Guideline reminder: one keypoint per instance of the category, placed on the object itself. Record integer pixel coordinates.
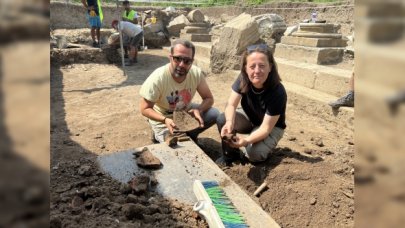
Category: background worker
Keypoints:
(129, 14)
(95, 17)
(134, 34)
(348, 99)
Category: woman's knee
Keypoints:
(258, 152)
(257, 156)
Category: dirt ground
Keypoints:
(94, 111)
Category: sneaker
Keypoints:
(224, 161)
(95, 44)
(345, 101)
(129, 63)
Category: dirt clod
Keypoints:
(312, 201)
(184, 121)
(146, 159)
(132, 210)
(84, 170)
(140, 184)
(77, 201)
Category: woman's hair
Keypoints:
(272, 80)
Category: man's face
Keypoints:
(181, 61)
(126, 6)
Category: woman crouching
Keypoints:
(262, 116)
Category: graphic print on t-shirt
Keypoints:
(179, 99)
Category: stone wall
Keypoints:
(343, 14)
(71, 16)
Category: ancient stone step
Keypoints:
(313, 42)
(326, 55)
(201, 25)
(317, 35)
(203, 49)
(197, 30)
(333, 81)
(316, 103)
(203, 63)
(196, 37)
(317, 27)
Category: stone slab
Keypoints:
(196, 37)
(202, 25)
(203, 63)
(202, 49)
(191, 29)
(326, 55)
(316, 103)
(313, 42)
(317, 35)
(329, 80)
(181, 166)
(317, 27)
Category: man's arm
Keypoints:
(206, 95)
(207, 101)
(84, 2)
(147, 110)
(135, 20)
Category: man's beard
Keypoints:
(178, 74)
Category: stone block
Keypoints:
(196, 37)
(195, 16)
(313, 42)
(315, 55)
(318, 27)
(197, 30)
(202, 25)
(177, 24)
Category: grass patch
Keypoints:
(209, 3)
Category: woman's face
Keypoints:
(257, 68)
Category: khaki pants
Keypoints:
(255, 152)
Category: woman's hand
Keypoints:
(227, 128)
(238, 142)
(196, 114)
(170, 125)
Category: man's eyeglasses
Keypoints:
(185, 60)
(254, 47)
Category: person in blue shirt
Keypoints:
(94, 16)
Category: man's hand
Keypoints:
(170, 125)
(196, 114)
